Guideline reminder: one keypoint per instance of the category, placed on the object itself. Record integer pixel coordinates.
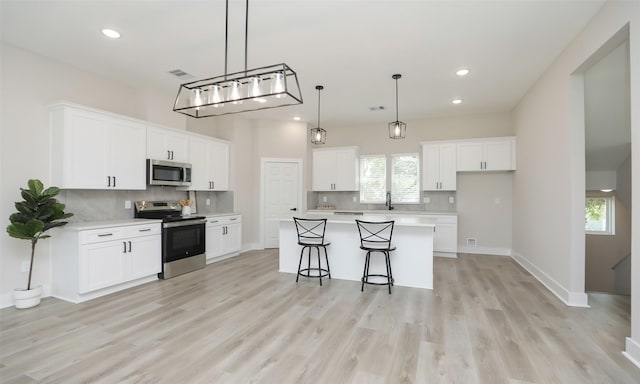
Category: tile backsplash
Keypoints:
(99, 205)
(438, 202)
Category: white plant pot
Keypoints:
(24, 298)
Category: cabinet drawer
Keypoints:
(143, 230)
(223, 220)
(101, 235)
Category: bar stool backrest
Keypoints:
(375, 235)
(310, 231)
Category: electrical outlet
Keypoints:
(324, 199)
(355, 199)
(498, 201)
(24, 266)
(452, 199)
(127, 204)
(208, 202)
(427, 200)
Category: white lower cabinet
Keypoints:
(445, 238)
(224, 237)
(89, 263)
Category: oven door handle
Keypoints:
(183, 223)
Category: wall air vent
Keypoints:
(471, 242)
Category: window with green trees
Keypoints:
(599, 218)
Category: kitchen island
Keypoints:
(411, 262)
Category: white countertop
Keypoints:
(405, 221)
(83, 226)
(375, 212)
(210, 215)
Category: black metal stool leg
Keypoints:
(388, 262)
(319, 265)
(327, 260)
(300, 263)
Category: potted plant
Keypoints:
(37, 213)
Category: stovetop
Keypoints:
(168, 211)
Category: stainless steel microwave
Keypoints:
(162, 172)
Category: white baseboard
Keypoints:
(632, 351)
(484, 250)
(251, 247)
(447, 255)
(572, 299)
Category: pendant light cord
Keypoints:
(319, 107)
(246, 34)
(226, 36)
(397, 99)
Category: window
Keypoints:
(599, 215)
(373, 179)
(405, 186)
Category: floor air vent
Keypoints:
(471, 242)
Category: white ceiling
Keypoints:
(350, 47)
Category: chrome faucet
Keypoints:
(388, 202)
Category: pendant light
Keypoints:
(318, 135)
(249, 90)
(397, 129)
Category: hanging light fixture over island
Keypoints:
(318, 135)
(249, 90)
(397, 129)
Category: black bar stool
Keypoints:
(311, 235)
(376, 237)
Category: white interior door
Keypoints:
(281, 197)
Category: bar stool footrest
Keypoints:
(321, 272)
(364, 280)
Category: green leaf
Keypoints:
(28, 230)
(35, 186)
(19, 217)
(51, 192)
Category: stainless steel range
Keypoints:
(183, 237)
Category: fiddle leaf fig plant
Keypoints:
(37, 213)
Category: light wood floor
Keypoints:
(240, 321)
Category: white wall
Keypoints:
(29, 83)
(549, 185)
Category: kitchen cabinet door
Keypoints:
(213, 241)
(78, 150)
(446, 238)
(219, 165)
(143, 257)
(470, 156)
(232, 238)
(126, 156)
(101, 265)
(439, 167)
(497, 155)
(165, 144)
(210, 164)
(335, 169)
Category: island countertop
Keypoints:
(403, 221)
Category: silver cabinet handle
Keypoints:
(124, 247)
(144, 230)
(114, 181)
(213, 221)
(129, 246)
(168, 155)
(235, 218)
(108, 181)
(105, 234)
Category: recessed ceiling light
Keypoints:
(111, 33)
(296, 118)
(456, 101)
(462, 72)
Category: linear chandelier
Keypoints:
(318, 135)
(397, 129)
(249, 90)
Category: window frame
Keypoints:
(610, 207)
(418, 181)
(362, 179)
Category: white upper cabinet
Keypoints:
(439, 166)
(95, 150)
(335, 169)
(495, 154)
(166, 144)
(210, 164)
